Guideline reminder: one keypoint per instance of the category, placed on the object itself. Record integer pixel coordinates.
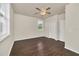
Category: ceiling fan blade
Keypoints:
(48, 8)
(35, 13)
(38, 9)
(48, 12)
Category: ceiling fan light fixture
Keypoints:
(43, 13)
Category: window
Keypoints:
(40, 25)
(4, 20)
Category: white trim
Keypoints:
(6, 21)
(72, 50)
(3, 36)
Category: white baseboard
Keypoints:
(72, 50)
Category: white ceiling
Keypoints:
(29, 8)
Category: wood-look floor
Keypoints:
(41, 46)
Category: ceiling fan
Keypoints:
(43, 11)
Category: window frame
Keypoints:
(5, 20)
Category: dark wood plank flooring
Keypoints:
(41, 46)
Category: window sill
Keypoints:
(3, 36)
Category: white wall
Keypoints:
(26, 27)
(72, 27)
(6, 44)
(54, 27)
(50, 24)
(61, 24)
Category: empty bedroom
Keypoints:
(39, 29)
